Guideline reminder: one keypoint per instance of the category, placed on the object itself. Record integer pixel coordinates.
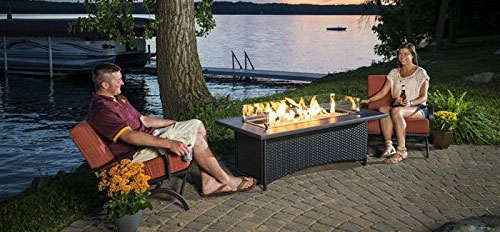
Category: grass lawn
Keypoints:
(69, 198)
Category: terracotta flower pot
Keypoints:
(442, 140)
(129, 223)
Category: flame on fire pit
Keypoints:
(288, 111)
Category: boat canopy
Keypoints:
(56, 28)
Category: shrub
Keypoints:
(474, 125)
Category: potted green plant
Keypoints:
(127, 187)
(444, 124)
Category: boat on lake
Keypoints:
(336, 28)
(28, 45)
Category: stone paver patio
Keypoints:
(416, 195)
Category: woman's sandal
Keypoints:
(389, 150)
(401, 154)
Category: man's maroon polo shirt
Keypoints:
(110, 117)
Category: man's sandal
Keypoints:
(218, 192)
(244, 180)
(389, 150)
(401, 154)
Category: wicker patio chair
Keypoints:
(419, 128)
(99, 158)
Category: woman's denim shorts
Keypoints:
(423, 109)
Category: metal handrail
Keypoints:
(233, 57)
(248, 58)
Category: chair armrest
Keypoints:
(430, 109)
(164, 154)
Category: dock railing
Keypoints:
(249, 61)
(233, 57)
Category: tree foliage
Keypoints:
(115, 19)
(473, 17)
(204, 18)
(390, 28)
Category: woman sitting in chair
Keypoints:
(408, 84)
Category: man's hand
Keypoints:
(179, 148)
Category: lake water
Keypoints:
(283, 42)
(36, 114)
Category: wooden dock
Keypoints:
(295, 76)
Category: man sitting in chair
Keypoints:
(124, 129)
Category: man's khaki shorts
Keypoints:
(185, 131)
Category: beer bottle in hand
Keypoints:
(402, 97)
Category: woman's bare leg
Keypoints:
(398, 115)
(398, 118)
(386, 123)
(399, 125)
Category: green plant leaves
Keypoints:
(127, 204)
(445, 120)
(115, 19)
(204, 18)
(474, 125)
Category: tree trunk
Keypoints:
(407, 12)
(441, 22)
(455, 12)
(180, 77)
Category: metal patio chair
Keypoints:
(418, 128)
(99, 158)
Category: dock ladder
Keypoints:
(247, 61)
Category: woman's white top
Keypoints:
(412, 83)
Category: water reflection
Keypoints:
(36, 115)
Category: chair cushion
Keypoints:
(374, 127)
(156, 167)
(413, 126)
(93, 149)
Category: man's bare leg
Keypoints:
(212, 174)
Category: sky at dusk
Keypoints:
(319, 2)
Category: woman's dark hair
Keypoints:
(413, 52)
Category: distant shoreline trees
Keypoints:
(220, 8)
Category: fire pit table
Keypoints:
(268, 155)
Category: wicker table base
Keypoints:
(272, 154)
(269, 160)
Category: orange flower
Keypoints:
(124, 178)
